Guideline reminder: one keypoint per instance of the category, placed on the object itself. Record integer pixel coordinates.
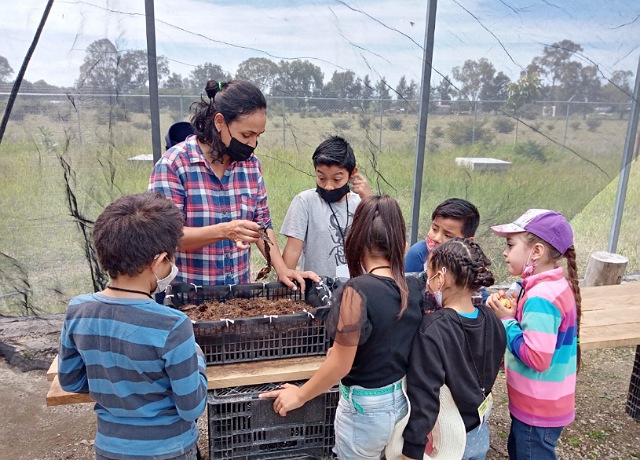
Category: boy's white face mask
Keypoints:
(163, 284)
(166, 281)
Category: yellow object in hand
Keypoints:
(506, 302)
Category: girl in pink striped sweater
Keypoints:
(542, 329)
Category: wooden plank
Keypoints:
(228, 375)
(56, 396)
(280, 370)
(53, 369)
(611, 317)
(603, 297)
(611, 336)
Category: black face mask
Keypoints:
(331, 196)
(238, 151)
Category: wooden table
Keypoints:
(610, 316)
(610, 319)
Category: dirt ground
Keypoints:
(31, 430)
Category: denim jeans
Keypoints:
(364, 424)
(189, 454)
(477, 443)
(528, 442)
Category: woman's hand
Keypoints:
(500, 310)
(287, 399)
(242, 233)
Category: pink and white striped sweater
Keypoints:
(542, 351)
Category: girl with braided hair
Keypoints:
(543, 330)
(373, 319)
(459, 345)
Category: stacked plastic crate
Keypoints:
(242, 426)
(633, 398)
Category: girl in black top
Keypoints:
(372, 320)
(460, 345)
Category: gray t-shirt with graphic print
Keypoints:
(311, 220)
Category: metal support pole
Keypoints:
(421, 141)
(78, 119)
(284, 127)
(181, 106)
(623, 178)
(154, 106)
(380, 129)
(475, 117)
(23, 68)
(566, 121)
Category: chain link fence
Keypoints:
(65, 157)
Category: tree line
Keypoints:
(558, 73)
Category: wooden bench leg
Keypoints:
(633, 398)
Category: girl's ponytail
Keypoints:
(572, 271)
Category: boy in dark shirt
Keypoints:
(453, 218)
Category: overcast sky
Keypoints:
(375, 37)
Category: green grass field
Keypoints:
(43, 249)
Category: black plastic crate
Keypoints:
(243, 427)
(236, 340)
(633, 397)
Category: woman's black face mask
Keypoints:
(238, 151)
(331, 196)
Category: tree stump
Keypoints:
(604, 269)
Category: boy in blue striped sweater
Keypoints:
(136, 358)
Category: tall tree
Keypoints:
(382, 88)
(299, 78)
(412, 90)
(107, 69)
(618, 91)
(401, 89)
(5, 70)
(554, 64)
(474, 76)
(175, 81)
(201, 74)
(261, 71)
(494, 93)
(445, 90)
(523, 91)
(591, 84)
(98, 71)
(368, 92)
(618, 87)
(133, 71)
(343, 85)
(496, 89)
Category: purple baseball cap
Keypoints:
(551, 226)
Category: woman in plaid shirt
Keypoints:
(217, 183)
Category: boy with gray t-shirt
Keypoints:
(318, 219)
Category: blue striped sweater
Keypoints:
(139, 361)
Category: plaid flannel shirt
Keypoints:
(184, 175)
